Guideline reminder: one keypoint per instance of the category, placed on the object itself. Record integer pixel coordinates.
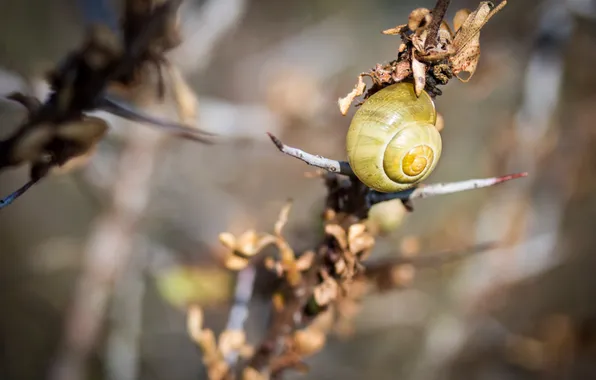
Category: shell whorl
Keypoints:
(392, 142)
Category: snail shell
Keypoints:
(392, 142)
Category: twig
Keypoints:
(239, 312)
(6, 201)
(426, 191)
(341, 167)
(438, 13)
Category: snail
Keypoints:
(392, 142)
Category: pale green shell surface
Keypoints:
(384, 129)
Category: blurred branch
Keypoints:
(239, 312)
(108, 250)
(203, 29)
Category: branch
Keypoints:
(438, 13)
(6, 201)
(341, 167)
(108, 250)
(426, 191)
(239, 312)
(381, 269)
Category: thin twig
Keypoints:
(438, 13)
(426, 191)
(334, 166)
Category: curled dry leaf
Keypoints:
(326, 292)
(194, 323)
(345, 102)
(419, 18)
(282, 220)
(309, 341)
(244, 247)
(231, 341)
(339, 234)
(360, 240)
(467, 39)
(419, 71)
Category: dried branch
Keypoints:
(108, 250)
(58, 130)
(380, 271)
(438, 13)
(239, 312)
(341, 167)
(426, 191)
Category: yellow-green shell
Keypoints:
(390, 124)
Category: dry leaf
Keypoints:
(345, 102)
(230, 341)
(283, 218)
(419, 70)
(235, 263)
(304, 262)
(326, 292)
(467, 40)
(339, 234)
(394, 31)
(309, 341)
(419, 17)
(194, 323)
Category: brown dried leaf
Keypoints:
(86, 132)
(419, 70)
(305, 261)
(309, 341)
(30, 147)
(467, 39)
(228, 240)
(419, 17)
(326, 292)
(359, 239)
(235, 263)
(394, 31)
(247, 242)
(339, 234)
(345, 102)
(194, 323)
(283, 218)
(231, 341)
(401, 71)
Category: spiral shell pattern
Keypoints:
(392, 142)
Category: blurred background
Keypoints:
(525, 311)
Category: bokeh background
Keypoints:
(524, 311)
